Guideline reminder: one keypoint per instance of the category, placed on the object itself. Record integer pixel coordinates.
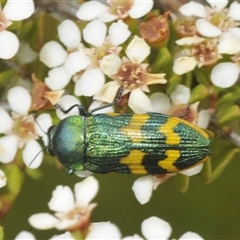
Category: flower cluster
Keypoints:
(73, 216)
(209, 33)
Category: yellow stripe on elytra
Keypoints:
(133, 129)
(172, 156)
(134, 162)
(167, 130)
(196, 128)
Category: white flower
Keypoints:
(104, 231)
(93, 9)
(3, 179)
(15, 11)
(71, 213)
(197, 51)
(20, 131)
(215, 20)
(132, 68)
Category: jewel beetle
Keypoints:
(149, 143)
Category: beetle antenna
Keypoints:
(39, 125)
(37, 155)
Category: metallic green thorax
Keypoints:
(128, 143)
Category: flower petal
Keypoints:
(103, 230)
(76, 62)
(137, 50)
(18, 10)
(25, 235)
(3, 179)
(86, 190)
(233, 11)
(218, 5)
(6, 121)
(139, 102)
(95, 32)
(32, 154)
(193, 171)
(160, 102)
(62, 199)
(90, 83)
(135, 236)
(44, 120)
(83, 174)
(203, 119)
(53, 54)
(110, 64)
(228, 44)
(8, 148)
(66, 102)
(57, 78)
(184, 64)
(140, 8)
(19, 100)
(42, 221)
(155, 228)
(118, 33)
(69, 34)
(9, 44)
(190, 235)
(143, 188)
(189, 41)
(43, 123)
(66, 235)
(108, 92)
(66, 223)
(193, 9)
(181, 94)
(89, 11)
(96, 104)
(225, 74)
(205, 28)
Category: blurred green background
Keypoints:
(212, 210)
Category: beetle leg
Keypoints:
(187, 110)
(115, 101)
(80, 109)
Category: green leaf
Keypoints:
(230, 97)
(206, 172)
(163, 57)
(15, 179)
(230, 114)
(202, 76)
(6, 76)
(221, 162)
(173, 81)
(44, 29)
(182, 182)
(198, 93)
(1, 233)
